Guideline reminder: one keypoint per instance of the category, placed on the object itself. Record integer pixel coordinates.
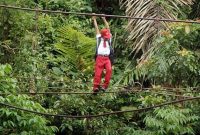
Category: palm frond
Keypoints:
(142, 31)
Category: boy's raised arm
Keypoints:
(96, 25)
(105, 22)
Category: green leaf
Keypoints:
(57, 71)
(8, 69)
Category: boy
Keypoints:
(103, 57)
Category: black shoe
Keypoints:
(103, 89)
(95, 91)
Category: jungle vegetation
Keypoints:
(43, 52)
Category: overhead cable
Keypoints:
(101, 15)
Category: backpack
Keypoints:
(111, 56)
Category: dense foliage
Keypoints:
(18, 122)
(42, 52)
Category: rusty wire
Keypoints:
(124, 89)
(100, 115)
(101, 15)
(167, 93)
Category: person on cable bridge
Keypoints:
(103, 56)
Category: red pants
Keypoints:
(101, 64)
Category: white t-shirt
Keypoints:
(101, 49)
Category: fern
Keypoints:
(75, 47)
(171, 120)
